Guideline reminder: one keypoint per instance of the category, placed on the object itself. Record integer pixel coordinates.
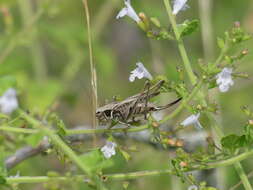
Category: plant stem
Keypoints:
(15, 39)
(132, 175)
(242, 175)
(76, 131)
(92, 70)
(18, 130)
(65, 149)
(103, 15)
(205, 13)
(193, 81)
(181, 47)
(35, 48)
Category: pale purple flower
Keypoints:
(8, 101)
(139, 72)
(179, 5)
(224, 79)
(129, 11)
(192, 120)
(108, 149)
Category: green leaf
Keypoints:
(61, 128)
(7, 82)
(34, 139)
(220, 43)
(125, 155)
(2, 180)
(155, 21)
(248, 130)
(41, 96)
(233, 142)
(188, 27)
(96, 161)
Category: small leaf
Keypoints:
(188, 27)
(125, 184)
(155, 21)
(220, 43)
(248, 130)
(233, 142)
(2, 180)
(34, 139)
(61, 128)
(96, 161)
(125, 155)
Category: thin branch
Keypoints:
(132, 175)
(56, 140)
(250, 175)
(15, 39)
(92, 70)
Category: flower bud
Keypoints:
(179, 143)
(171, 142)
(183, 164)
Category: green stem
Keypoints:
(193, 81)
(92, 70)
(35, 48)
(242, 175)
(65, 149)
(77, 131)
(181, 47)
(132, 175)
(18, 130)
(15, 39)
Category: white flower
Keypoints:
(193, 187)
(224, 79)
(129, 11)
(179, 5)
(192, 120)
(109, 149)
(8, 101)
(140, 72)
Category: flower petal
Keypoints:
(224, 79)
(8, 101)
(122, 13)
(179, 5)
(139, 72)
(129, 11)
(192, 119)
(108, 149)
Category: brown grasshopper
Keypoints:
(133, 106)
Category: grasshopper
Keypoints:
(137, 105)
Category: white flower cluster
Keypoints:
(8, 101)
(108, 149)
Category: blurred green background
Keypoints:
(43, 44)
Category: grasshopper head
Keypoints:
(103, 114)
